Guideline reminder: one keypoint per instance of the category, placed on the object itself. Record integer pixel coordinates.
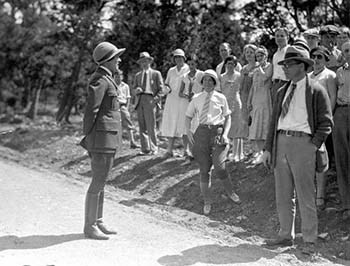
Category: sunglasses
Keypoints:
(318, 56)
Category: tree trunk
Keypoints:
(33, 110)
(67, 100)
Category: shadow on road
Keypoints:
(36, 241)
(216, 254)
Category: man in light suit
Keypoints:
(148, 85)
(300, 122)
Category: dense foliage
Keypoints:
(46, 45)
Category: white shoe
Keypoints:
(235, 198)
(206, 209)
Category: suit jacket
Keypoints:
(319, 113)
(102, 120)
(156, 83)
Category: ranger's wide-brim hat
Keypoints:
(105, 51)
(144, 56)
(297, 53)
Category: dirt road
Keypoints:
(41, 219)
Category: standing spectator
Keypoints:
(312, 37)
(344, 36)
(210, 141)
(259, 103)
(191, 85)
(230, 84)
(246, 83)
(326, 78)
(278, 76)
(148, 85)
(173, 122)
(124, 100)
(300, 123)
(341, 131)
(329, 35)
(225, 50)
(101, 127)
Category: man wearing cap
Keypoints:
(312, 37)
(278, 76)
(300, 123)
(102, 130)
(329, 35)
(148, 85)
(210, 141)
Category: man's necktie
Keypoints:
(144, 81)
(190, 87)
(204, 114)
(286, 103)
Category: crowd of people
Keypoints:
(294, 111)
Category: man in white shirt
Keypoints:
(278, 76)
(300, 123)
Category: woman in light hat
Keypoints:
(259, 103)
(173, 120)
(210, 141)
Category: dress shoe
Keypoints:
(155, 152)
(308, 248)
(206, 209)
(168, 155)
(235, 198)
(134, 146)
(143, 153)
(283, 242)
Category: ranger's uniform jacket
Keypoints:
(102, 120)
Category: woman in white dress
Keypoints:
(191, 85)
(173, 121)
(230, 84)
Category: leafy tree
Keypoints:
(81, 30)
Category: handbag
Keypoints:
(322, 161)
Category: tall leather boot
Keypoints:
(90, 227)
(100, 224)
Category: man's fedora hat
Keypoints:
(143, 56)
(297, 53)
(312, 32)
(329, 29)
(301, 42)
